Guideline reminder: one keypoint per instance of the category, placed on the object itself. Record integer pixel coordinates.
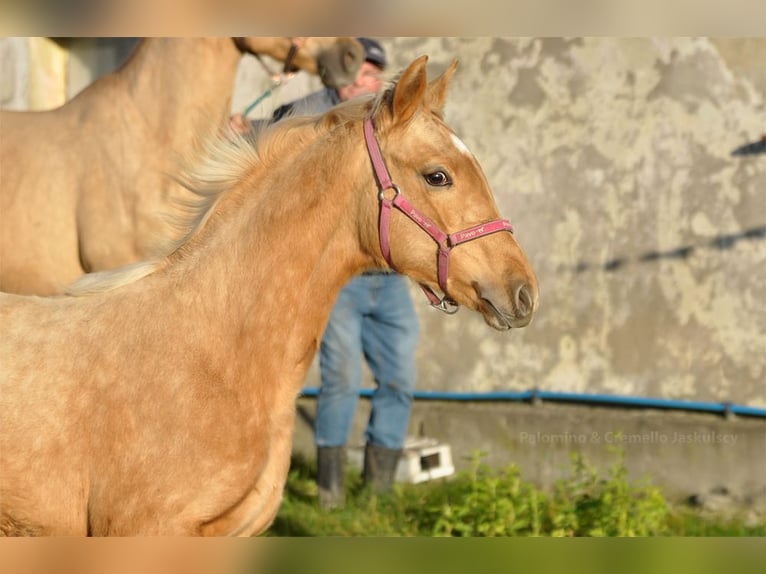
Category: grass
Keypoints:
(689, 522)
(489, 502)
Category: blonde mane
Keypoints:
(225, 160)
(228, 157)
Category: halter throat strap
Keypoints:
(445, 242)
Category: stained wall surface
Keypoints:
(613, 159)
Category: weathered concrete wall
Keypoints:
(612, 159)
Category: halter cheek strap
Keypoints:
(444, 241)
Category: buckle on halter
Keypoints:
(396, 189)
(447, 305)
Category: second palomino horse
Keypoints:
(160, 398)
(87, 186)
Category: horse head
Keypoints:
(336, 60)
(438, 220)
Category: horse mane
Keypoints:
(224, 159)
(214, 172)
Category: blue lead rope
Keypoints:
(257, 101)
(274, 85)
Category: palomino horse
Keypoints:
(85, 186)
(160, 398)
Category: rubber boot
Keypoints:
(331, 468)
(380, 467)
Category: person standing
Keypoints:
(373, 318)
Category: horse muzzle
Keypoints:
(508, 312)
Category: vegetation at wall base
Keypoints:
(486, 502)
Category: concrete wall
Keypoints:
(612, 159)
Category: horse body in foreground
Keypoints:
(160, 398)
(87, 186)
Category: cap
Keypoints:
(374, 52)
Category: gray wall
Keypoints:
(612, 159)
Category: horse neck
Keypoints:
(269, 271)
(182, 86)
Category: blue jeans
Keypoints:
(373, 317)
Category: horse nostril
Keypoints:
(524, 301)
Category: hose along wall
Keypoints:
(533, 396)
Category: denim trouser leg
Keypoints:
(340, 366)
(373, 317)
(389, 339)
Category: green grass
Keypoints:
(689, 522)
(489, 502)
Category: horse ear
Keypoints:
(410, 90)
(437, 89)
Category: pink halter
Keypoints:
(444, 241)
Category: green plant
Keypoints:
(485, 502)
(490, 504)
(584, 504)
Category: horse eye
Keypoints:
(438, 179)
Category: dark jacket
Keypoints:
(315, 103)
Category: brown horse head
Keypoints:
(336, 60)
(447, 232)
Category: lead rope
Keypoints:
(277, 79)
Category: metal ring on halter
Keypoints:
(447, 305)
(396, 189)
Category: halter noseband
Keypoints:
(445, 241)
